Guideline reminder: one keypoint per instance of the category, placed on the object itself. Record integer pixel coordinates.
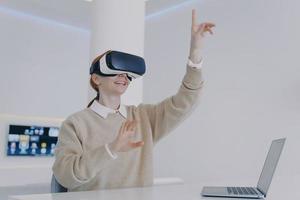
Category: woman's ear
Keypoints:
(96, 79)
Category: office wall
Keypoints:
(41, 62)
(43, 78)
(251, 94)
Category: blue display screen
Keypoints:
(31, 140)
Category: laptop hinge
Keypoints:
(261, 192)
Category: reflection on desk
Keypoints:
(281, 189)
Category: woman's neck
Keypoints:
(112, 102)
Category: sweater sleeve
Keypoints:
(167, 115)
(74, 166)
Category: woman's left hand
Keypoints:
(197, 34)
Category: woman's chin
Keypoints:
(120, 91)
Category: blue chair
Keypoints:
(56, 187)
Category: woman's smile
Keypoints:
(121, 83)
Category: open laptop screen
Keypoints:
(270, 165)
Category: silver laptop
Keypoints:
(263, 183)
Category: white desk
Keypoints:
(167, 192)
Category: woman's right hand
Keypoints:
(123, 141)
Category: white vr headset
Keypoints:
(116, 62)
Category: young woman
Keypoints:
(110, 145)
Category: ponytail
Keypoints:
(95, 87)
(96, 98)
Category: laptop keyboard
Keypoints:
(241, 190)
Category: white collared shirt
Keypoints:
(103, 111)
(195, 65)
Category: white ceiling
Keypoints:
(72, 12)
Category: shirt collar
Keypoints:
(103, 111)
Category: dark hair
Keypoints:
(94, 85)
(91, 102)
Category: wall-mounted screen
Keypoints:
(31, 140)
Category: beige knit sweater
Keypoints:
(81, 160)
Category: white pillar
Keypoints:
(119, 25)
